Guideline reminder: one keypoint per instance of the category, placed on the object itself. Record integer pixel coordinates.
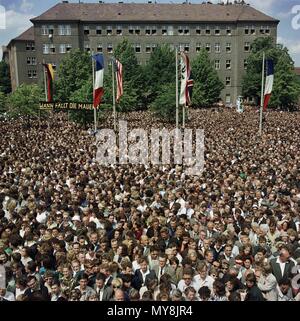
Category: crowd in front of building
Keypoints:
(74, 230)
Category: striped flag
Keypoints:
(269, 82)
(187, 82)
(119, 78)
(99, 75)
(50, 79)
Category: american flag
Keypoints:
(119, 78)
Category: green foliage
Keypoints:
(2, 102)
(5, 83)
(74, 71)
(159, 70)
(207, 85)
(286, 90)
(164, 106)
(25, 101)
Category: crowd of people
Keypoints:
(72, 229)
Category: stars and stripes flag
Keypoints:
(99, 75)
(269, 82)
(187, 82)
(119, 78)
(50, 78)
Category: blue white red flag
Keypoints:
(99, 75)
(269, 82)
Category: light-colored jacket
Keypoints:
(267, 284)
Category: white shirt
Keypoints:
(9, 296)
(144, 275)
(199, 282)
(182, 286)
(282, 265)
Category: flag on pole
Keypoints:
(119, 78)
(99, 75)
(269, 82)
(50, 79)
(187, 82)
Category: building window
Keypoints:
(247, 46)
(137, 48)
(228, 99)
(28, 61)
(164, 30)
(186, 47)
(245, 63)
(32, 46)
(28, 46)
(217, 47)
(31, 61)
(137, 30)
(154, 46)
(228, 81)
(217, 64)
(252, 31)
(246, 30)
(228, 64)
(109, 48)
(170, 31)
(228, 47)
(64, 30)
(54, 66)
(207, 31)
(180, 30)
(62, 48)
(153, 31)
(186, 31)
(86, 30)
(29, 73)
(148, 31)
(131, 30)
(46, 49)
(267, 30)
(109, 30)
(99, 48)
(198, 31)
(47, 30)
(68, 47)
(228, 31)
(119, 30)
(34, 74)
(217, 31)
(198, 47)
(148, 48)
(87, 47)
(52, 49)
(98, 30)
(207, 47)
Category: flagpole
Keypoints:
(183, 116)
(45, 81)
(95, 108)
(114, 98)
(262, 96)
(177, 103)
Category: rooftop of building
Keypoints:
(153, 12)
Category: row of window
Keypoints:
(66, 30)
(32, 74)
(51, 48)
(31, 61)
(30, 46)
(183, 46)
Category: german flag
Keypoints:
(50, 79)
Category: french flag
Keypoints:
(99, 74)
(269, 82)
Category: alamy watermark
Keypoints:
(296, 18)
(157, 147)
(2, 18)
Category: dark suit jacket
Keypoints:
(277, 271)
(254, 294)
(168, 270)
(137, 282)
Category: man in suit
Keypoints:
(162, 268)
(104, 292)
(142, 274)
(164, 239)
(282, 265)
(253, 292)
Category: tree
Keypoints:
(159, 70)
(2, 102)
(5, 83)
(207, 85)
(286, 87)
(24, 101)
(164, 105)
(74, 71)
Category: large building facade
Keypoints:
(226, 31)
